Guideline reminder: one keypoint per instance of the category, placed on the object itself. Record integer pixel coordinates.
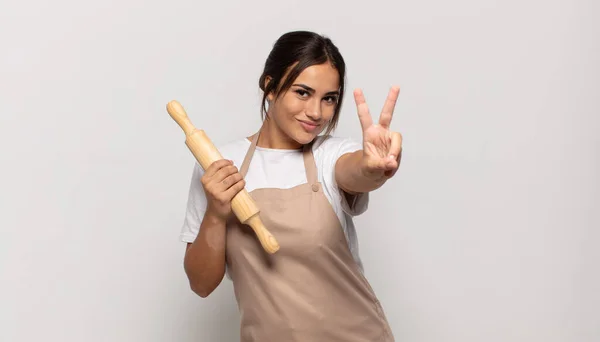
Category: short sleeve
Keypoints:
(353, 205)
(196, 206)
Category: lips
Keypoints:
(308, 126)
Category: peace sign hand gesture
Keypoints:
(382, 147)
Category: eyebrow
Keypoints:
(311, 90)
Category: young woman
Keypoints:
(308, 187)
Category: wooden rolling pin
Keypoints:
(206, 153)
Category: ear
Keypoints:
(270, 95)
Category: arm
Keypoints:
(353, 176)
(204, 260)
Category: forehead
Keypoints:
(322, 77)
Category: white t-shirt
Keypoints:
(277, 168)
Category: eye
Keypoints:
(330, 99)
(301, 92)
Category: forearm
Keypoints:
(351, 176)
(204, 260)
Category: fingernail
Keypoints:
(392, 157)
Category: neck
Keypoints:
(272, 137)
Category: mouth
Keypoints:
(308, 126)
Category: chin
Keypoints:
(303, 138)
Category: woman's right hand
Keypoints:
(221, 182)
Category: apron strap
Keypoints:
(309, 163)
(249, 154)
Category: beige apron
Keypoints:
(311, 289)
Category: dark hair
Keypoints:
(306, 49)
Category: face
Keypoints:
(307, 106)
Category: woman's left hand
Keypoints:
(382, 148)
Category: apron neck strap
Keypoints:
(249, 154)
(309, 163)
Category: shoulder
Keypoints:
(335, 146)
(236, 146)
(234, 149)
(328, 149)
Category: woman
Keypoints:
(307, 186)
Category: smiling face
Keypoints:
(305, 109)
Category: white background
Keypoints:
(489, 232)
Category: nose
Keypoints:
(313, 109)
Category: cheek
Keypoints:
(328, 111)
(292, 107)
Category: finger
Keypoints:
(223, 173)
(377, 165)
(392, 172)
(363, 110)
(214, 167)
(234, 189)
(393, 159)
(388, 108)
(395, 146)
(230, 180)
